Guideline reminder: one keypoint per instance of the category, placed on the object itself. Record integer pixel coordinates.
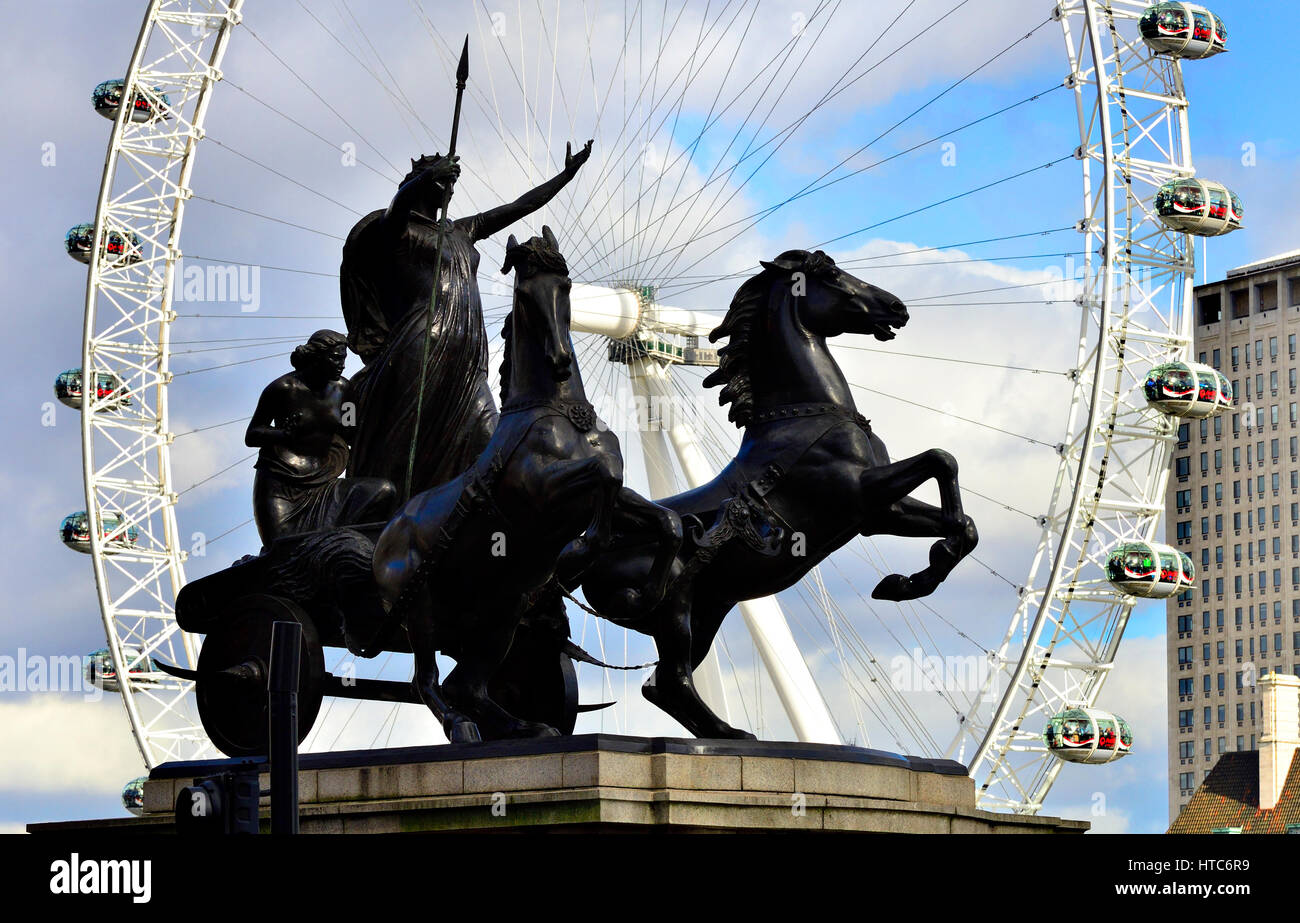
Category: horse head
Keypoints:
(777, 327)
(541, 305)
(834, 301)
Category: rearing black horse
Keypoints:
(463, 561)
(810, 474)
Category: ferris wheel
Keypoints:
(648, 221)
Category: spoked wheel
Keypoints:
(233, 671)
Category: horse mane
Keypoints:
(537, 254)
(741, 326)
(738, 326)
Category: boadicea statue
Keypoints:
(391, 261)
(302, 428)
(460, 531)
(810, 474)
(463, 562)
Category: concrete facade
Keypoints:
(1233, 505)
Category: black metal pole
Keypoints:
(282, 691)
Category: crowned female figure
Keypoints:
(390, 264)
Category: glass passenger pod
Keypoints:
(110, 392)
(133, 796)
(1187, 389)
(107, 97)
(121, 248)
(117, 533)
(1183, 30)
(1199, 206)
(1149, 570)
(99, 668)
(1088, 735)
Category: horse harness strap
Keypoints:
(747, 514)
(580, 412)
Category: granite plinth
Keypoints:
(610, 783)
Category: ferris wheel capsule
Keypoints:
(133, 796)
(1088, 735)
(1188, 389)
(110, 392)
(1183, 30)
(1149, 569)
(1198, 206)
(120, 248)
(107, 99)
(118, 534)
(99, 668)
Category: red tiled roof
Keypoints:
(1229, 797)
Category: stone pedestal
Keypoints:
(606, 783)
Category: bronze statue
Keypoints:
(462, 562)
(505, 514)
(302, 428)
(810, 474)
(390, 261)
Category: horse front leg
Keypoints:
(420, 632)
(483, 649)
(665, 527)
(579, 482)
(672, 685)
(890, 511)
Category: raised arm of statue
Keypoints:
(487, 223)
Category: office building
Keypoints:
(1233, 505)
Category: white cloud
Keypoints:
(55, 743)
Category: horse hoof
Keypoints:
(533, 729)
(464, 732)
(735, 734)
(895, 588)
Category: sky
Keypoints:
(307, 133)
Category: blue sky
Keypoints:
(65, 49)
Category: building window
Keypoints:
(1183, 465)
(1210, 308)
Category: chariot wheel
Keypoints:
(648, 218)
(233, 673)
